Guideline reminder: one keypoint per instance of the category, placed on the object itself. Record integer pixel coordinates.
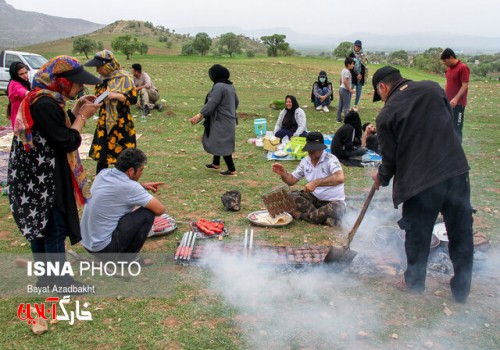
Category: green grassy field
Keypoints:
(209, 309)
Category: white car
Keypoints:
(32, 61)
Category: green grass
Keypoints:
(198, 316)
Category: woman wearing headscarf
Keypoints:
(18, 88)
(115, 129)
(292, 120)
(346, 143)
(322, 93)
(219, 115)
(359, 70)
(46, 178)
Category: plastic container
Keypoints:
(260, 126)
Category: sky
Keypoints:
(474, 17)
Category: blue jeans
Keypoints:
(53, 242)
(281, 133)
(344, 103)
(326, 101)
(359, 88)
(51, 247)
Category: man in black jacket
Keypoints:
(431, 175)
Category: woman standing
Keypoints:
(18, 88)
(46, 178)
(115, 129)
(292, 120)
(219, 114)
(358, 71)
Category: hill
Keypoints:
(160, 40)
(25, 28)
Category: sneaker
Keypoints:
(228, 173)
(159, 106)
(355, 108)
(325, 109)
(319, 108)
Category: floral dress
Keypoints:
(115, 129)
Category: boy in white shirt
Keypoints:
(345, 89)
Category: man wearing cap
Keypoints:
(457, 84)
(322, 201)
(421, 150)
(147, 90)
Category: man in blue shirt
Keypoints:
(111, 224)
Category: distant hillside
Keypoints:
(160, 40)
(22, 28)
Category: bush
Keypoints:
(250, 53)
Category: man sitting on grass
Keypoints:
(111, 224)
(322, 201)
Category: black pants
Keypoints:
(129, 236)
(229, 162)
(458, 120)
(452, 199)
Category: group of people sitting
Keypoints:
(351, 140)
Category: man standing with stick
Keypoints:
(421, 151)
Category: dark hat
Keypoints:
(357, 43)
(314, 142)
(322, 73)
(98, 60)
(378, 76)
(81, 76)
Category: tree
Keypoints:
(84, 44)
(230, 43)
(188, 49)
(276, 42)
(399, 58)
(430, 60)
(143, 48)
(343, 50)
(126, 44)
(202, 43)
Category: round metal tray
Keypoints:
(252, 217)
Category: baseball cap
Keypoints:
(378, 76)
(314, 142)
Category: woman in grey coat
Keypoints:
(219, 115)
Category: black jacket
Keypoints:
(343, 141)
(418, 144)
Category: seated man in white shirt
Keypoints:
(146, 89)
(111, 224)
(322, 201)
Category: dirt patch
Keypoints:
(4, 234)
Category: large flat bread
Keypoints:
(265, 218)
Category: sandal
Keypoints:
(228, 173)
(211, 166)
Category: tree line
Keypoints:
(231, 44)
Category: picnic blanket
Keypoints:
(328, 142)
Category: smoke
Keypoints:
(286, 307)
(283, 306)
